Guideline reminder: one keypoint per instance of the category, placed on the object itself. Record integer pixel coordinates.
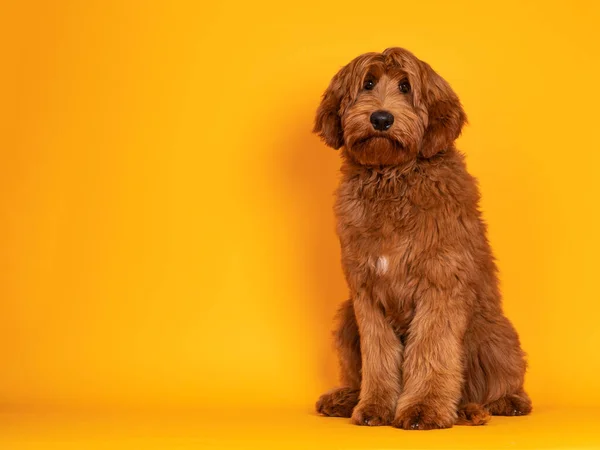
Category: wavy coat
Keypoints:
(423, 342)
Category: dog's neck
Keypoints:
(352, 170)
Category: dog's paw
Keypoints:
(338, 402)
(372, 415)
(511, 405)
(421, 417)
(473, 414)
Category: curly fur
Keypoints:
(423, 342)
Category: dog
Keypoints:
(423, 342)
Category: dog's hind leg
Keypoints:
(495, 368)
(518, 404)
(340, 402)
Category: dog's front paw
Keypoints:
(372, 415)
(421, 417)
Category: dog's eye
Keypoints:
(404, 87)
(369, 85)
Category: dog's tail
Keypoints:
(472, 414)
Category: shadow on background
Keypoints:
(308, 179)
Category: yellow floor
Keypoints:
(283, 429)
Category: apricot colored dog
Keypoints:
(423, 342)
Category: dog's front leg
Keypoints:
(381, 353)
(432, 370)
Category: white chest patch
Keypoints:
(381, 267)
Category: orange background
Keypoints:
(167, 232)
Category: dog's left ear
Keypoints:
(446, 116)
(328, 123)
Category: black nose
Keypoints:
(382, 120)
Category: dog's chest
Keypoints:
(375, 233)
(377, 230)
(374, 223)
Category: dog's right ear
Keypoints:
(328, 123)
(446, 116)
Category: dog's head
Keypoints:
(388, 108)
